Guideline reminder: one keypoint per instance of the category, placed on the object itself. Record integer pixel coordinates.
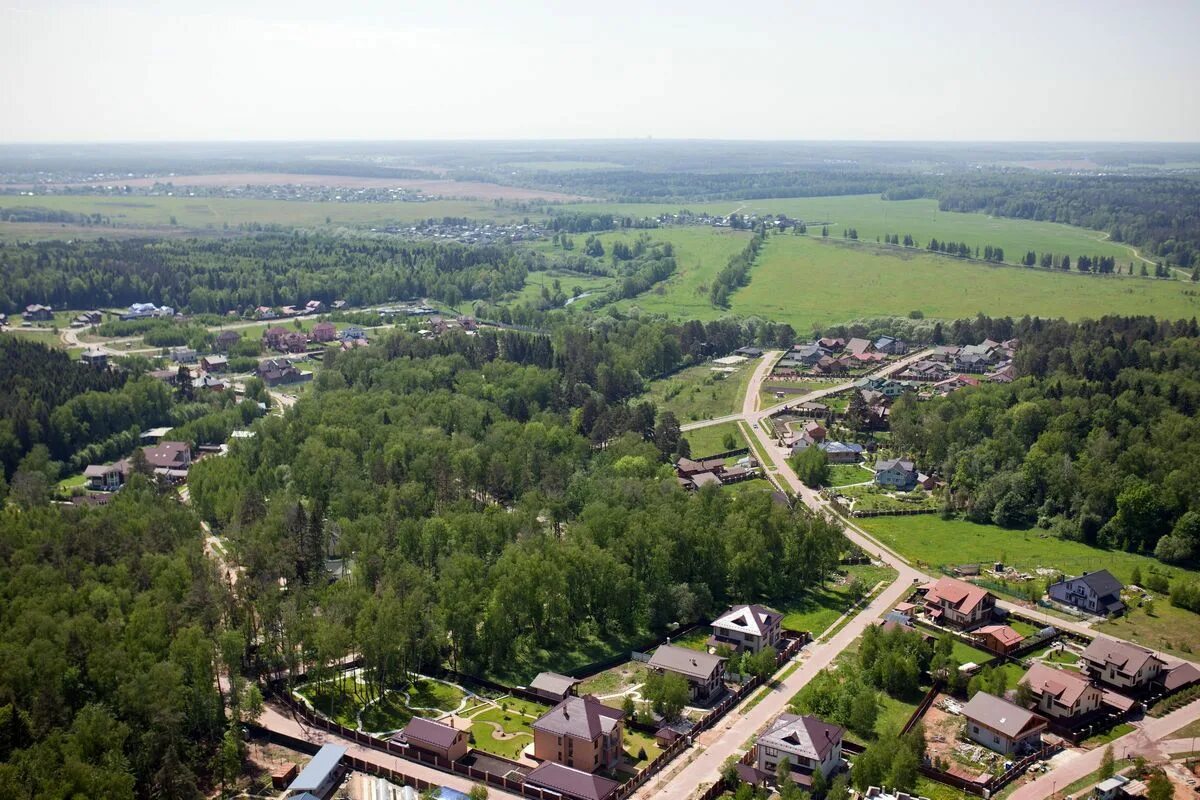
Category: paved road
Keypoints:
(282, 721)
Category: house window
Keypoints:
(974, 729)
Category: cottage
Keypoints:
(94, 358)
(226, 340)
(553, 687)
(580, 732)
(314, 307)
(832, 345)
(209, 383)
(324, 332)
(37, 313)
(1062, 694)
(958, 604)
(105, 477)
(214, 363)
(1002, 726)
(182, 355)
(747, 627)
(321, 774)
(810, 408)
(571, 784)
(275, 371)
(998, 638)
(352, 332)
(809, 744)
(1095, 592)
(808, 354)
(813, 430)
(890, 345)
(1120, 664)
(841, 452)
(705, 673)
(896, 473)
(273, 337)
(858, 346)
(439, 739)
(293, 343)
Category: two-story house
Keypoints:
(896, 473)
(957, 604)
(1120, 664)
(705, 673)
(809, 744)
(1002, 726)
(1062, 694)
(580, 732)
(747, 627)
(1094, 592)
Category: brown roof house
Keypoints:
(957, 604)
(324, 332)
(226, 340)
(998, 638)
(1062, 694)
(1002, 726)
(580, 732)
(705, 673)
(747, 627)
(553, 686)
(809, 744)
(1120, 664)
(572, 784)
(438, 738)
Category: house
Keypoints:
(841, 452)
(831, 366)
(807, 355)
(94, 358)
(897, 473)
(169, 459)
(105, 477)
(1002, 726)
(705, 673)
(580, 732)
(324, 332)
(442, 740)
(273, 337)
(571, 784)
(37, 313)
(351, 332)
(209, 383)
(858, 347)
(890, 345)
(927, 482)
(747, 627)
(971, 362)
(87, 318)
(810, 408)
(553, 687)
(749, 352)
(314, 307)
(214, 363)
(1062, 694)
(275, 371)
(321, 773)
(686, 467)
(1120, 664)
(182, 355)
(265, 312)
(813, 430)
(998, 638)
(809, 744)
(295, 342)
(958, 604)
(226, 340)
(832, 345)
(1095, 592)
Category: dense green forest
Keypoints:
(109, 624)
(1097, 440)
(487, 527)
(203, 275)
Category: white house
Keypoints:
(747, 627)
(809, 745)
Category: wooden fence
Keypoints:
(893, 512)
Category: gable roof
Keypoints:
(1127, 657)
(1102, 582)
(857, 346)
(1002, 633)
(1000, 715)
(960, 595)
(168, 454)
(314, 775)
(582, 717)
(903, 464)
(571, 782)
(1066, 686)
(803, 735)
(690, 663)
(753, 619)
(431, 732)
(553, 683)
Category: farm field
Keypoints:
(864, 281)
(872, 217)
(930, 541)
(697, 393)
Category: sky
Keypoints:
(161, 70)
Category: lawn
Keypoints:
(893, 713)
(425, 693)
(878, 498)
(635, 743)
(750, 486)
(517, 727)
(1104, 738)
(846, 474)
(1172, 629)
(697, 393)
(965, 654)
(696, 639)
(711, 439)
(615, 679)
(927, 787)
(1187, 731)
(568, 659)
(339, 699)
(388, 714)
(930, 541)
(815, 611)
(859, 281)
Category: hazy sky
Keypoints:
(961, 70)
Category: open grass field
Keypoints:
(848, 474)
(1174, 630)
(873, 217)
(697, 393)
(816, 610)
(931, 541)
(712, 439)
(534, 281)
(810, 283)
